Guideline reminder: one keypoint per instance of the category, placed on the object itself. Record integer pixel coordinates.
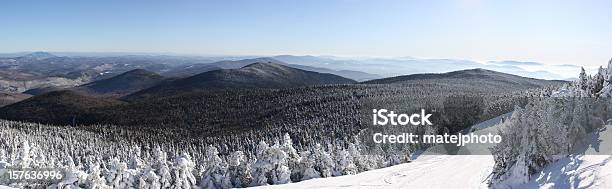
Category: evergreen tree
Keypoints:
(307, 164)
(239, 170)
(183, 172)
(262, 167)
(149, 180)
(94, 178)
(582, 79)
(215, 170)
(344, 164)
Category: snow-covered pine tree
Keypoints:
(160, 165)
(577, 128)
(73, 177)
(582, 79)
(3, 162)
(278, 159)
(307, 165)
(135, 162)
(149, 180)
(118, 176)
(216, 170)
(293, 157)
(95, 179)
(393, 156)
(608, 77)
(239, 170)
(183, 172)
(344, 163)
(325, 163)
(24, 158)
(598, 81)
(262, 167)
(358, 159)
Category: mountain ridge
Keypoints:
(473, 74)
(122, 84)
(40, 55)
(255, 75)
(254, 100)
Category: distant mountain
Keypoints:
(308, 60)
(37, 56)
(23, 71)
(235, 64)
(355, 75)
(13, 55)
(36, 70)
(386, 67)
(194, 69)
(320, 62)
(122, 84)
(390, 67)
(62, 107)
(190, 70)
(256, 75)
(471, 75)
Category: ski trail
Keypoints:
(429, 171)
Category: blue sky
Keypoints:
(552, 32)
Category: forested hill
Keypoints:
(473, 75)
(188, 104)
(256, 75)
(57, 107)
(122, 84)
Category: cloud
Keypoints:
(514, 63)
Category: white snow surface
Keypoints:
(582, 171)
(428, 171)
(593, 170)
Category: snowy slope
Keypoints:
(582, 171)
(426, 171)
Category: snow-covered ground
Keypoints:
(593, 170)
(428, 171)
(582, 171)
